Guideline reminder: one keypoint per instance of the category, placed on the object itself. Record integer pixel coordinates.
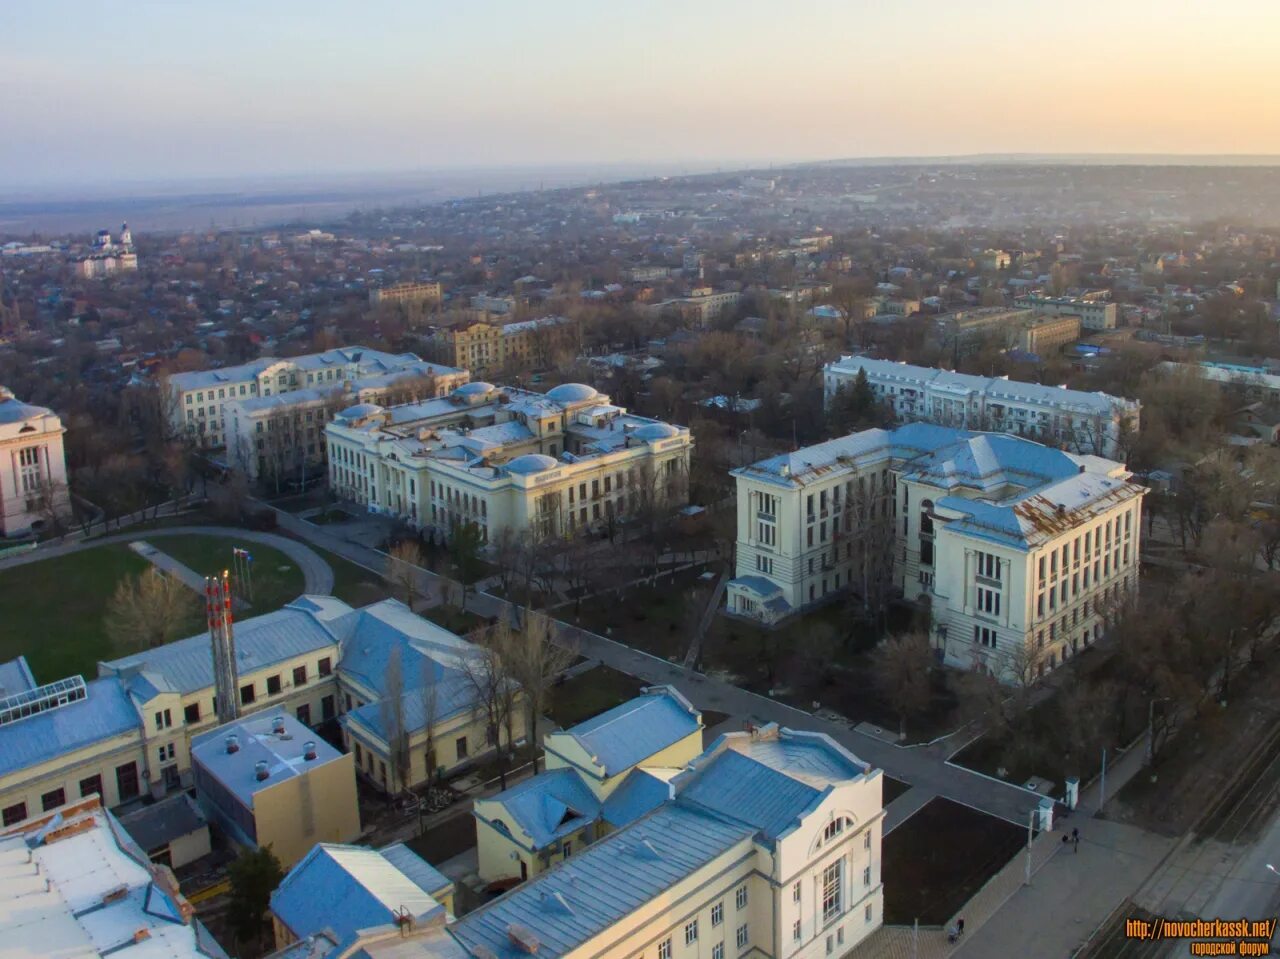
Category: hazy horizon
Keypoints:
(178, 92)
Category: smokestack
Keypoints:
(222, 640)
(260, 770)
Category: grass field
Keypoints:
(937, 859)
(53, 610)
(591, 693)
(276, 578)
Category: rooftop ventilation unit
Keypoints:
(260, 770)
(233, 743)
(523, 939)
(277, 725)
(308, 751)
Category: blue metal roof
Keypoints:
(348, 888)
(106, 711)
(16, 677)
(759, 585)
(750, 792)
(424, 875)
(587, 893)
(640, 793)
(260, 642)
(454, 694)
(550, 805)
(630, 733)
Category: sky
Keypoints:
(173, 89)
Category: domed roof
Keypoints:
(655, 431)
(531, 463)
(360, 410)
(475, 389)
(571, 393)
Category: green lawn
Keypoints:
(276, 579)
(53, 610)
(591, 693)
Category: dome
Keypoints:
(655, 431)
(475, 389)
(571, 393)
(360, 410)
(531, 463)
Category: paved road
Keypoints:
(317, 573)
(922, 767)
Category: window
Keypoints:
(273, 685)
(91, 786)
(326, 708)
(691, 932)
(833, 829)
(743, 937)
(831, 946)
(300, 675)
(717, 951)
(304, 714)
(988, 601)
(53, 799)
(795, 931)
(359, 754)
(984, 636)
(831, 891)
(461, 745)
(246, 695)
(325, 667)
(14, 814)
(740, 897)
(795, 893)
(867, 912)
(866, 839)
(717, 914)
(988, 565)
(191, 713)
(664, 949)
(866, 876)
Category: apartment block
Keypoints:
(419, 294)
(1094, 314)
(543, 464)
(484, 347)
(1093, 423)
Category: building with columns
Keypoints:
(548, 464)
(33, 469)
(1019, 550)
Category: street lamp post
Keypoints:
(1151, 735)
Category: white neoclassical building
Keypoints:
(501, 458)
(1093, 423)
(33, 469)
(1018, 549)
(197, 400)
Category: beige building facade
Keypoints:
(33, 467)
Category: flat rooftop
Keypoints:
(257, 741)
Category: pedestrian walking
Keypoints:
(959, 927)
(1075, 839)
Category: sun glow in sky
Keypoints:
(179, 88)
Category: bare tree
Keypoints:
(492, 687)
(901, 668)
(402, 571)
(430, 705)
(534, 658)
(149, 610)
(391, 709)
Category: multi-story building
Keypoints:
(195, 400)
(1021, 550)
(1094, 423)
(283, 434)
(488, 347)
(73, 884)
(966, 331)
(700, 307)
(1094, 314)
(33, 469)
(129, 732)
(493, 303)
(768, 844)
(1045, 335)
(419, 294)
(544, 464)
